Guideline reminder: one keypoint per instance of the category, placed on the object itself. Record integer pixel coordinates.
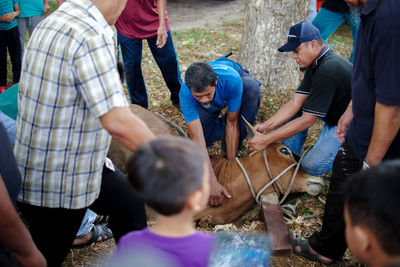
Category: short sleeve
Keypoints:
(321, 95)
(305, 85)
(233, 91)
(188, 104)
(98, 79)
(387, 70)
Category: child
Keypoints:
(171, 175)
(372, 216)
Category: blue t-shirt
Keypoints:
(228, 92)
(375, 72)
(30, 8)
(7, 6)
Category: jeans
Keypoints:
(330, 241)
(87, 223)
(54, 229)
(328, 21)
(312, 11)
(9, 39)
(9, 124)
(166, 59)
(214, 125)
(29, 23)
(319, 158)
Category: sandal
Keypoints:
(98, 231)
(100, 219)
(305, 249)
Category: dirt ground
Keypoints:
(213, 15)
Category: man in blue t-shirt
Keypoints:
(208, 89)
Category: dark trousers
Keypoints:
(9, 39)
(214, 125)
(54, 229)
(165, 58)
(330, 241)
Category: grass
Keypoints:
(207, 44)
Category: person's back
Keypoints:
(171, 176)
(371, 216)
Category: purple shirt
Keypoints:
(193, 250)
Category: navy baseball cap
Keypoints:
(300, 33)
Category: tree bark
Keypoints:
(267, 24)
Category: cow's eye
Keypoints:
(284, 150)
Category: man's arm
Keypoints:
(9, 17)
(285, 113)
(386, 127)
(260, 141)
(46, 6)
(126, 128)
(14, 235)
(344, 123)
(232, 135)
(216, 189)
(162, 31)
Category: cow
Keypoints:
(230, 175)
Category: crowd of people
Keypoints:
(57, 121)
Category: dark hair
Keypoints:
(166, 171)
(372, 198)
(199, 75)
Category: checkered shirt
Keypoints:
(69, 79)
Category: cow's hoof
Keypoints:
(315, 185)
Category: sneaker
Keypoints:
(3, 88)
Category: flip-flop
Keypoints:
(98, 231)
(305, 249)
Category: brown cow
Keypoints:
(231, 176)
(229, 173)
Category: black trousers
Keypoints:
(330, 241)
(9, 39)
(54, 229)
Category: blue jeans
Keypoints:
(166, 60)
(87, 223)
(328, 21)
(312, 11)
(319, 159)
(9, 124)
(214, 125)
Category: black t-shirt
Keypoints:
(8, 166)
(327, 82)
(376, 71)
(336, 6)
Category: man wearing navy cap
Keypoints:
(324, 93)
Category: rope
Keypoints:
(288, 209)
(174, 125)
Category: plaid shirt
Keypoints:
(69, 79)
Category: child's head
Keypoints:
(168, 173)
(371, 212)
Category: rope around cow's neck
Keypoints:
(273, 179)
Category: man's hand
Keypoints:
(261, 127)
(33, 259)
(344, 123)
(216, 192)
(257, 143)
(46, 8)
(162, 36)
(9, 17)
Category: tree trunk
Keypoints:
(267, 24)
